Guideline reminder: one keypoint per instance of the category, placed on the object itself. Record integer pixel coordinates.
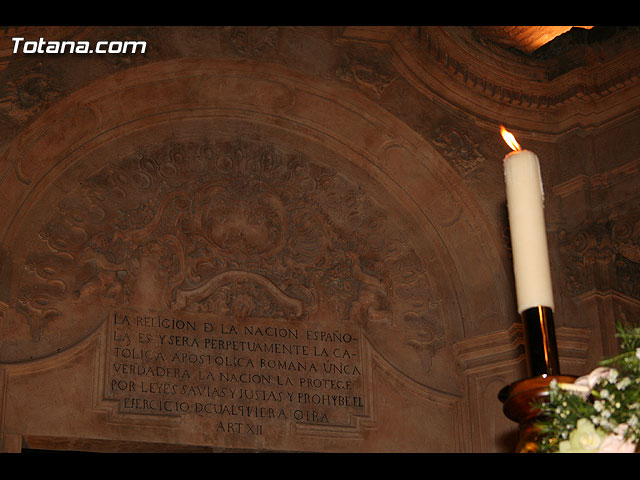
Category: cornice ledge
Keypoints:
(491, 349)
(597, 181)
(498, 86)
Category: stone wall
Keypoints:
(295, 238)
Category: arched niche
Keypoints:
(243, 190)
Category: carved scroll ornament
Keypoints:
(231, 227)
(603, 256)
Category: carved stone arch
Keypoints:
(356, 185)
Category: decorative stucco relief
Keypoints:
(230, 227)
(365, 75)
(251, 41)
(458, 147)
(29, 94)
(604, 256)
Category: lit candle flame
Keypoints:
(510, 139)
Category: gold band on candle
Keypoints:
(540, 341)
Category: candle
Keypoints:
(525, 203)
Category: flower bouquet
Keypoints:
(599, 412)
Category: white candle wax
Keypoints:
(525, 202)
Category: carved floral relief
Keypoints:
(29, 94)
(603, 255)
(458, 147)
(232, 227)
(251, 41)
(364, 75)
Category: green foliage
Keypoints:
(609, 398)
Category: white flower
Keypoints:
(598, 405)
(581, 390)
(585, 438)
(624, 383)
(583, 385)
(616, 443)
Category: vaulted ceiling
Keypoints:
(524, 38)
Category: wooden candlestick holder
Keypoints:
(518, 399)
(542, 367)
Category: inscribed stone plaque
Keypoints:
(251, 376)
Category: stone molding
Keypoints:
(498, 87)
